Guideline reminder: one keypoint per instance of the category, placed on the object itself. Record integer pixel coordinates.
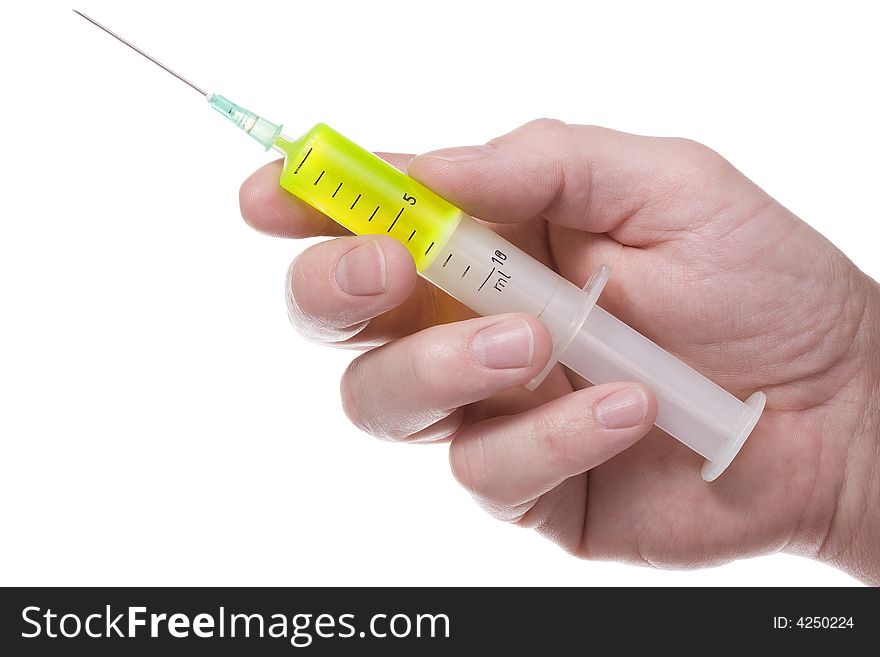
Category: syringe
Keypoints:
(473, 264)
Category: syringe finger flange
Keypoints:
(565, 314)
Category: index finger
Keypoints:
(270, 209)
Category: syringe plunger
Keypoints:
(702, 415)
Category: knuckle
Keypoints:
(422, 370)
(350, 392)
(434, 370)
(690, 146)
(365, 401)
(591, 133)
(324, 330)
(546, 124)
(558, 435)
(536, 128)
(295, 311)
(360, 403)
(698, 154)
(479, 473)
(512, 513)
(444, 429)
(467, 459)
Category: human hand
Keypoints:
(705, 263)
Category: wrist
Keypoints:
(852, 540)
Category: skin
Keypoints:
(705, 263)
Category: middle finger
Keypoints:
(401, 390)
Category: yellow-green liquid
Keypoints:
(365, 194)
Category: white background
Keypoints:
(161, 423)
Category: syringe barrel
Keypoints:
(366, 194)
(490, 275)
(452, 250)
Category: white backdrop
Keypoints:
(161, 423)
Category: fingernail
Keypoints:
(507, 344)
(461, 153)
(361, 271)
(623, 408)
